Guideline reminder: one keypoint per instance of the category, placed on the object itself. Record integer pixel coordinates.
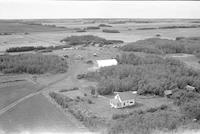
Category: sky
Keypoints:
(42, 9)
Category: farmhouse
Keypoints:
(123, 99)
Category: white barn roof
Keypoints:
(107, 62)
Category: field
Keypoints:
(48, 36)
(15, 88)
(36, 114)
(150, 74)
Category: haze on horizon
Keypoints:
(13, 9)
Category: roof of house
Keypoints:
(107, 62)
(126, 96)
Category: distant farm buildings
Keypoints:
(123, 99)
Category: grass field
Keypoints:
(12, 91)
(19, 27)
(36, 114)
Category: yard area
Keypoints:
(100, 105)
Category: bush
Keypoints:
(104, 25)
(81, 76)
(146, 123)
(60, 99)
(89, 62)
(87, 40)
(25, 48)
(92, 28)
(89, 101)
(182, 96)
(110, 31)
(191, 109)
(32, 63)
(165, 46)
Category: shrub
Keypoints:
(89, 101)
(165, 46)
(92, 27)
(60, 99)
(191, 109)
(182, 96)
(110, 31)
(81, 76)
(89, 62)
(104, 25)
(32, 63)
(146, 123)
(25, 48)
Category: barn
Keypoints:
(103, 63)
(123, 99)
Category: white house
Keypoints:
(123, 99)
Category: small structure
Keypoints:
(168, 93)
(190, 88)
(102, 63)
(95, 54)
(107, 62)
(123, 99)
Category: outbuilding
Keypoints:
(190, 88)
(102, 63)
(106, 62)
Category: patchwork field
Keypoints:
(50, 36)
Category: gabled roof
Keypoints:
(107, 62)
(126, 96)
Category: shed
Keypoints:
(123, 99)
(190, 88)
(168, 93)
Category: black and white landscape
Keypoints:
(99, 75)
